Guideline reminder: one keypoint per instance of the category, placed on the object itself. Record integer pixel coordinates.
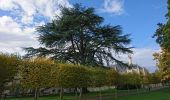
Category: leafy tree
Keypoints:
(8, 69)
(163, 63)
(73, 76)
(154, 78)
(163, 39)
(130, 81)
(35, 74)
(80, 37)
(162, 34)
(113, 77)
(98, 78)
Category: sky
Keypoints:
(19, 19)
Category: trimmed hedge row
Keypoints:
(42, 73)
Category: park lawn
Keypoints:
(163, 94)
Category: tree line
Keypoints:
(38, 73)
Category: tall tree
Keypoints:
(162, 35)
(79, 37)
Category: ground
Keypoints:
(163, 94)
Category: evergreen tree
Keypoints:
(80, 37)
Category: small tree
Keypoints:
(98, 78)
(163, 63)
(35, 74)
(8, 69)
(129, 81)
(113, 79)
(154, 78)
(73, 76)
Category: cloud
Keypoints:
(29, 8)
(7, 5)
(9, 26)
(113, 6)
(13, 36)
(18, 25)
(142, 57)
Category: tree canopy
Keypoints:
(163, 39)
(79, 36)
(162, 34)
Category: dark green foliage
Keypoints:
(80, 37)
(154, 78)
(163, 39)
(129, 81)
(162, 34)
(168, 14)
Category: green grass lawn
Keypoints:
(163, 94)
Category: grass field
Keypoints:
(163, 94)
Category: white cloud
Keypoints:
(7, 5)
(142, 57)
(17, 28)
(9, 26)
(13, 36)
(113, 7)
(30, 8)
(27, 19)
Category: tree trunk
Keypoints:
(128, 88)
(1, 96)
(61, 93)
(75, 94)
(100, 94)
(80, 94)
(36, 95)
(115, 93)
(137, 89)
(85, 90)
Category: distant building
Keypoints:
(130, 68)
